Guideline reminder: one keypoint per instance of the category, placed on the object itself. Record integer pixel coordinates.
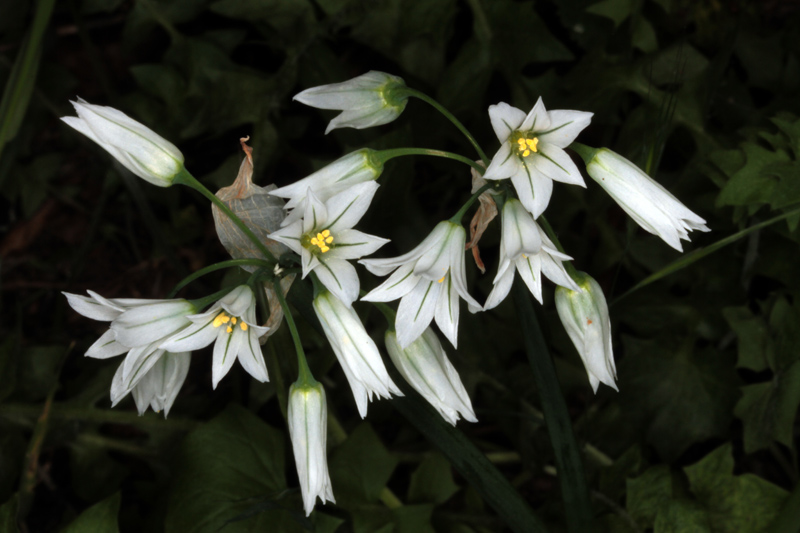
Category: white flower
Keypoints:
(325, 240)
(354, 168)
(367, 100)
(355, 350)
(429, 280)
(531, 150)
(231, 324)
(526, 248)
(308, 426)
(644, 199)
(137, 329)
(158, 387)
(585, 317)
(137, 147)
(425, 367)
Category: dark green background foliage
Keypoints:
(703, 435)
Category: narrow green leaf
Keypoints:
(568, 460)
(8, 515)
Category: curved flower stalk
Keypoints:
(325, 240)
(137, 329)
(354, 168)
(425, 366)
(429, 280)
(644, 199)
(137, 147)
(158, 387)
(526, 249)
(308, 426)
(231, 325)
(585, 317)
(355, 350)
(531, 150)
(365, 101)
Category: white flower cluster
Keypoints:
(430, 280)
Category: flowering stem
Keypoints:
(304, 372)
(570, 268)
(559, 427)
(441, 109)
(456, 219)
(187, 179)
(217, 266)
(386, 155)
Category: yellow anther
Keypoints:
(229, 329)
(326, 232)
(233, 320)
(243, 325)
(441, 280)
(220, 319)
(526, 153)
(533, 143)
(322, 240)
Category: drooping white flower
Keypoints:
(644, 199)
(429, 279)
(368, 100)
(355, 350)
(231, 324)
(325, 240)
(425, 366)
(137, 329)
(308, 426)
(585, 317)
(137, 147)
(354, 168)
(526, 248)
(158, 387)
(531, 150)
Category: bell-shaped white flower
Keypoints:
(425, 366)
(644, 199)
(354, 168)
(355, 350)
(429, 279)
(325, 240)
(137, 147)
(308, 426)
(584, 315)
(158, 387)
(526, 248)
(368, 100)
(532, 150)
(231, 324)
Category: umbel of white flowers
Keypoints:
(137, 147)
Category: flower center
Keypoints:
(225, 318)
(524, 143)
(321, 241)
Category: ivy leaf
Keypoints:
(432, 481)
(101, 516)
(647, 493)
(682, 516)
(753, 335)
(736, 504)
(360, 468)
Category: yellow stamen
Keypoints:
(243, 325)
(322, 240)
(441, 280)
(526, 146)
(229, 329)
(220, 319)
(233, 320)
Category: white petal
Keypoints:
(381, 267)
(225, 351)
(505, 120)
(251, 358)
(554, 163)
(138, 362)
(340, 278)
(197, 335)
(537, 119)
(149, 323)
(290, 236)
(354, 244)
(315, 215)
(530, 270)
(416, 310)
(502, 286)
(447, 311)
(504, 164)
(106, 346)
(91, 308)
(534, 189)
(346, 208)
(396, 286)
(564, 127)
(240, 302)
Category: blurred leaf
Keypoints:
(615, 10)
(8, 516)
(94, 473)
(680, 397)
(644, 36)
(99, 6)
(230, 473)
(8, 366)
(432, 481)
(648, 493)
(292, 19)
(37, 371)
(752, 333)
(12, 454)
(99, 517)
(360, 468)
(736, 504)
(682, 516)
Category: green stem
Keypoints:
(305, 377)
(386, 155)
(570, 268)
(184, 178)
(456, 219)
(441, 109)
(63, 411)
(568, 460)
(217, 266)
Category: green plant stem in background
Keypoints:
(184, 178)
(386, 155)
(569, 465)
(700, 253)
(456, 219)
(213, 268)
(543, 222)
(440, 108)
(305, 377)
